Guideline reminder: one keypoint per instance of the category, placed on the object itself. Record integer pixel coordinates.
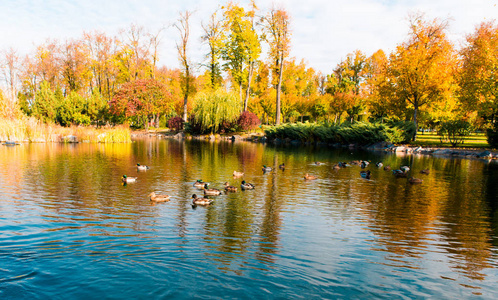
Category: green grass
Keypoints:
(475, 140)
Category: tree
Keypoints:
(278, 37)
(420, 71)
(478, 77)
(242, 46)
(10, 72)
(183, 27)
(213, 37)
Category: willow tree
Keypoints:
(183, 27)
(277, 28)
(212, 108)
(420, 71)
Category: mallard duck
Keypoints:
(387, 168)
(336, 167)
(400, 174)
(267, 169)
(238, 174)
(414, 180)
(282, 167)
(317, 163)
(127, 179)
(309, 177)
(355, 162)
(200, 201)
(142, 168)
(158, 198)
(343, 164)
(404, 168)
(246, 185)
(425, 171)
(211, 192)
(200, 184)
(379, 164)
(365, 174)
(364, 164)
(230, 188)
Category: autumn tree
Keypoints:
(213, 37)
(478, 77)
(10, 68)
(183, 26)
(278, 36)
(242, 46)
(420, 70)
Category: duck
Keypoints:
(414, 180)
(266, 169)
(336, 167)
(230, 188)
(365, 174)
(246, 185)
(127, 179)
(238, 174)
(211, 192)
(387, 168)
(200, 184)
(317, 163)
(400, 174)
(309, 177)
(404, 168)
(282, 167)
(200, 201)
(379, 164)
(425, 171)
(158, 198)
(142, 168)
(355, 162)
(364, 164)
(343, 164)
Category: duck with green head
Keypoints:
(127, 179)
(211, 192)
(246, 185)
(200, 201)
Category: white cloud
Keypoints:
(324, 32)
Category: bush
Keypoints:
(175, 123)
(455, 131)
(248, 121)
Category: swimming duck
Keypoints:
(414, 180)
(127, 179)
(246, 185)
(200, 201)
(158, 198)
(379, 164)
(238, 174)
(230, 188)
(267, 169)
(336, 167)
(343, 164)
(142, 168)
(355, 162)
(309, 177)
(425, 171)
(200, 184)
(400, 174)
(317, 163)
(365, 174)
(364, 164)
(282, 167)
(211, 192)
(404, 168)
(387, 168)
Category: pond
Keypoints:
(71, 230)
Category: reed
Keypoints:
(33, 130)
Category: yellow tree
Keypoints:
(420, 71)
(183, 26)
(278, 36)
(479, 74)
(213, 37)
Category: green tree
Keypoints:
(44, 107)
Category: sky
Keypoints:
(323, 31)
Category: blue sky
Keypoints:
(323, 31)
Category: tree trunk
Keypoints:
(415, 111)
(279, 87)
(251, 68)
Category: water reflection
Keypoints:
(68, 200)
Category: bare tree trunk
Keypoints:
(251, 69)
(279, 87)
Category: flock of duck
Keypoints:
(402, 172)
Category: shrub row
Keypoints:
(357, 133)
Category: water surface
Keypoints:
(70, 229)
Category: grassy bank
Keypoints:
(476, 140)
(32, 130)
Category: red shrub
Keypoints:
(175, 123)
(248, 121)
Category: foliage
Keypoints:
(455, 131)
(357, 133)
(248, 121)
(175, 123)
(492, 136)
(213, 108)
